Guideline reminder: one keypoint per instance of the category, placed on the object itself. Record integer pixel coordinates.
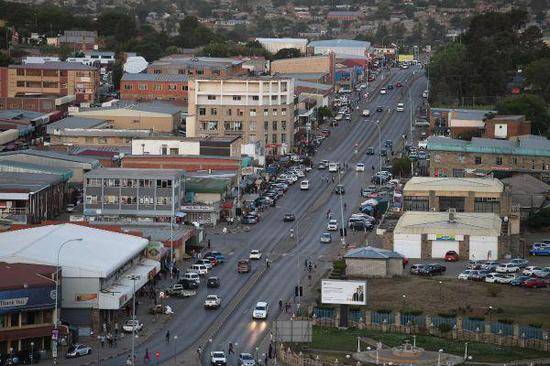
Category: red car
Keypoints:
(212, 260)
(398, 84)
(451, 256)
(534, 283)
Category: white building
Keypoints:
(432, 234)
(274, 45)
(342, 48)
(166, 146)
(96, 266)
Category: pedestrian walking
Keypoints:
(146, 357)
(208, 243)
(110, 340)
(199, 351)
(332, 179)
(102, 341)
(266, 359)
(267, 262)
(115, 338)
(167, 336)
(280, 304)
(345, 206)
(231, 351)
(116, 328)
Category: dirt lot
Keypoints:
(526, 306)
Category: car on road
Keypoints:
(213, 282)
(366, 113)
(192, 276)
(332, 225)
(249, 220)
(321, 165)
(216, 254)
(289, 217)
(383, 152)
(243, 266)
(370, 150)
(451, 256)
(415, 268)
(339, 189)
(304, 185)
(333, 167)
(212, 302)
(246, 359)
(540, 251)
(359, 224)
(507, 268)
(383, 91)
(206, 262)
(255, 254)
(200, 269)
(78, 350)
(400, 107)
(535, 283)
(380, 108)
(359, 167)
(326, 238)
(132, 325)
(261, 310)
(217, 358)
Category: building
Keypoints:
(505, 127)
(306, 66)
(27, 310)
(320, 92)
(29, 198)
(196, 66)
(274, 45)
(78, 165)
(96, 267)
(170, 145)
(79, 40)
(431, 234)
(57, 79)
(77, 131)
(38, 103)
(457, 158)
(29, 124)
(257, 109)
(373, 262)
(340, 47)
(96, 59)
(159, 117)
(189, 163)
(166, 87)
(528, 193)
(344, 16)
(140, 195)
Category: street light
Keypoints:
(343, 228)
(98, 348)
(465, 351)
(134, 278)
(379, 147)
(257, 349)
(439, 357)
(56, 317)
(32, 352)
(175, 354)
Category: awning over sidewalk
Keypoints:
(117, 295)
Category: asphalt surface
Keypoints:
(192, 321)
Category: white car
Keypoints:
(200, 269)
(366, 113)
(206, 263)
(383, 91)
(304, 185)
(360, 167)
(528, 271)
(132, 325)
(464, 275)
(499, 278)
(255, 254)
(260, 311)
(507, 268)
(78, 350)
(332, 225)
(192, 276)
(542, 273)
(400, 107)
(217, 358)
(333, 167)
(425, 94)
(212, 302)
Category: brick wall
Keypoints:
(187, 163)
(316, 64)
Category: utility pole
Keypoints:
(134, 278)
(343, 227)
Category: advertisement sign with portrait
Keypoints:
(344, 292)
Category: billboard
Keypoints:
(406, 58)
(344, 292)
(293, 331)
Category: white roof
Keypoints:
(451, 184)
(100, 252)
(477, 224)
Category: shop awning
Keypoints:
(117, 295)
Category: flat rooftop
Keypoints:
(134, 173)
(450, 184)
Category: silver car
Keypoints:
(246, 359)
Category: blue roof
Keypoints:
(19, 114)
(20, 167)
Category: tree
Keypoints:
(5, 60)
(193, 34)
(538, 75)
(401, 167)
(532, 106)
(118, 71)
(117, 24)
(287, 53)
(324, 112)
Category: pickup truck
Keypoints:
(178, 290)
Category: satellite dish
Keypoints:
(135, 64)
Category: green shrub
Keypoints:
(444, 327)
(447, 315)
(535, 325)
(505, 321)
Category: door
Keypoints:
(440, 247)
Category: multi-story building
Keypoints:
(323, 65)
(260, 110)
(53, 79)
(171, 145)
(341, 16)
(167, 87)
(196, 66)
(457, 158)
(78, 39)
(144, 195)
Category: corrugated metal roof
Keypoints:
(528, 145)
(20, 114)
(74, 122)
(54, 155)
(479, 224)
(134, 173)
(336, 43)
(282, 40)
(27, 182)
(372, 253)
(312, 85)
(174, 78)
(451, 184)
(55, 65)
(21, 167)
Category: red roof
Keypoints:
(22, 275)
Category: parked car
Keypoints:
(499, 278)
(206, 262)
(189, 284)
(535, 283)
(326, 237)
(432, 270)
(451, 256)
(246, 359)
(507, 268)
(255, 254)
(261, 310)
(542, 273)
(289, 217)
(359, 167)
(212, 302)
(218, 255)
(400, 107)
(213, 282)
(540, 251)
(361, 225)
(465, 275)
(528, 271)
(78, 350)
(200, 269)
(243, 266)
(249, 220)
(132, 325)
(478, 275)
(520, 262)
(332, 225)
(339, 189)
(518, 280)
(415, 268)
(217, 358)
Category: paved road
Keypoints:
(192, 321)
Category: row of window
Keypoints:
(481, 204)
(128, 200)
(24, 318)
(240, 112)
(156, 87)
(35, 72)
(189, 71)
(274, 138)
(238, 125)
(40, 84)
(131, 183)
(237, 98)
(498, 160)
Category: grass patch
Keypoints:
(333, 339)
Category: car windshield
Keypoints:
(218, 354)
(260, 307)
(246, 356)
(211, 297)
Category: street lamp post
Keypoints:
(379, 146)
(98, 348)
(32, 352)
(56, 317)
(175, 350)
(465, 351)
(134, 278)
(343, 227)
(439, 357)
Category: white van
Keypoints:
(333, 167)
(192, 276)
(366, 113)
(304, 185)
(338, 117)
(200, 269)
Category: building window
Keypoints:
(283, 125)
(111, 182)
(110, 200)
(416, 204)
(146, 183)
(127, 86)
(128, 200)
(255, 97)
(28, 318)
(233, 125)
(236, 97)
(283, 138)
(212, 126)
(532, 164)
(50, 84)
(164, 200)
(164, 183)
(274, 125)
(274, 98)
(174, 151)
(240, 112)
(185, 88)
(283, 111)
(20, 84)
(172, 87)
(499, 160)
(93, 182)
(157, 87)
(202, 111)
(445, 203)
(91, 200)
(266, 112)
(252, 125)
(102, 140)
(266, 125)
(20, 72)
(275, 111)
(458, 173)
(515, 161)
(142, 86)
(487, 204)
(213, 112)
(252, 113)
(284, 87)
(274, 138)
(211, 97)
(228, 112)
(146, 200)
(477, 160)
